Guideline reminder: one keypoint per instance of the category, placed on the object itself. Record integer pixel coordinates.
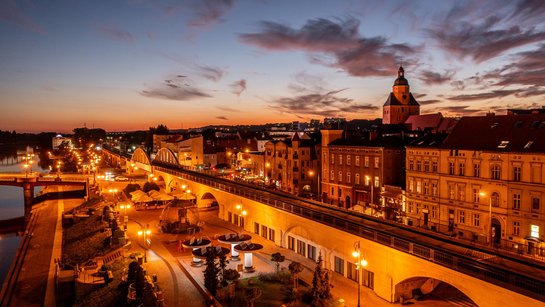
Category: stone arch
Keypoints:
(160, 180)
(427, 280)
(166, 156)
(289, 230)
(209, 200)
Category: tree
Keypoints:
(222, 265)
(211, 272)
(133, 269)
(148, 186)
(295, 268)
(321, 289)
(277, 257)
(131, 187)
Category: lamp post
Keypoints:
(368, 180)
(114, 194)
(361, 263)
(145, 233)
(489, 236)
(25, 167)
(311, 173)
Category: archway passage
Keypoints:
(430, 290)
(496, 231)
(208, 200)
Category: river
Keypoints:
(11, 205)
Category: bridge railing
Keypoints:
(524, 284)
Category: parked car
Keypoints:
(121, 178)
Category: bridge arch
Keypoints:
(208, 200)
(141, 159)
(429, 279)
(166, 156)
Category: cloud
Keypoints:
(319, 104)
(227, 109)
(176, 88)
(212, 73)
(115, 33)
(9, 12)
(428, 102)
(465, 33)
(238, 87)
(483, 96)
(335, 43)
(210, 11)
(434, 78)
(526, 68)
(222, 117)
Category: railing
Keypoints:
(339, 219)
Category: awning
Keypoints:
(533, 239)
(389, 194)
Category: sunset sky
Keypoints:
(132, 64)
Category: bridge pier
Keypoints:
(28, 192)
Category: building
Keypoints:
(59, 140)
(355, 169)
(484, 182)
(400, 103)
(292, 165)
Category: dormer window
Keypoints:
(503, 144)
(528, 145)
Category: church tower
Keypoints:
(401, 103)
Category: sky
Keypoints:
(132, 64)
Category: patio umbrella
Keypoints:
(161, 196)
(140, 197)
(181, 194)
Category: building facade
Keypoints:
(485, 182)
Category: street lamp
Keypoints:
(361, 263)
(145, 233)
(489, 236)
(311, 174)
(125, 207)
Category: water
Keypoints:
(11, 206)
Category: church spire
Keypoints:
(401, 72)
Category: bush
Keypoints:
(148, 186)
(131, 187)
(280, 277)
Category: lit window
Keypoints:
(503, 144)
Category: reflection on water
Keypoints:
(11, 202)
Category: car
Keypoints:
(121, 178)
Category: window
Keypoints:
(291, 243)
(301, 247)
(433, 212)
(272, 234)
(461, 169)
(348, 162)
(496, 172)
(426, 188)
(351, 271)
(256, 228)
(461, 192)
(476, 170)
(419, 165)
(475, 193)
(339, 265)
(377, 182)
(347, 177)
(332, 159)
(461, 217)
(332, 177)
(357, 162)
(516, 228)
(451, 191)
(426, 166)
(418, 186)
(340, 192)
(476, 219)
(366, 161)
(340, 176)
(229, 217)
(411, 185)
(340, 159)
(516, 201)
(357, 180)
(451, 168)
(434, 189)
(411, 165)
(377, 162)
(535, 204)
(311, 254)
(516, 173)
(495, 199)
(410, 207)
(264, 231)
(434, 167)
(367, 179)
(503, 144)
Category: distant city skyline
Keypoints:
(133, 64)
